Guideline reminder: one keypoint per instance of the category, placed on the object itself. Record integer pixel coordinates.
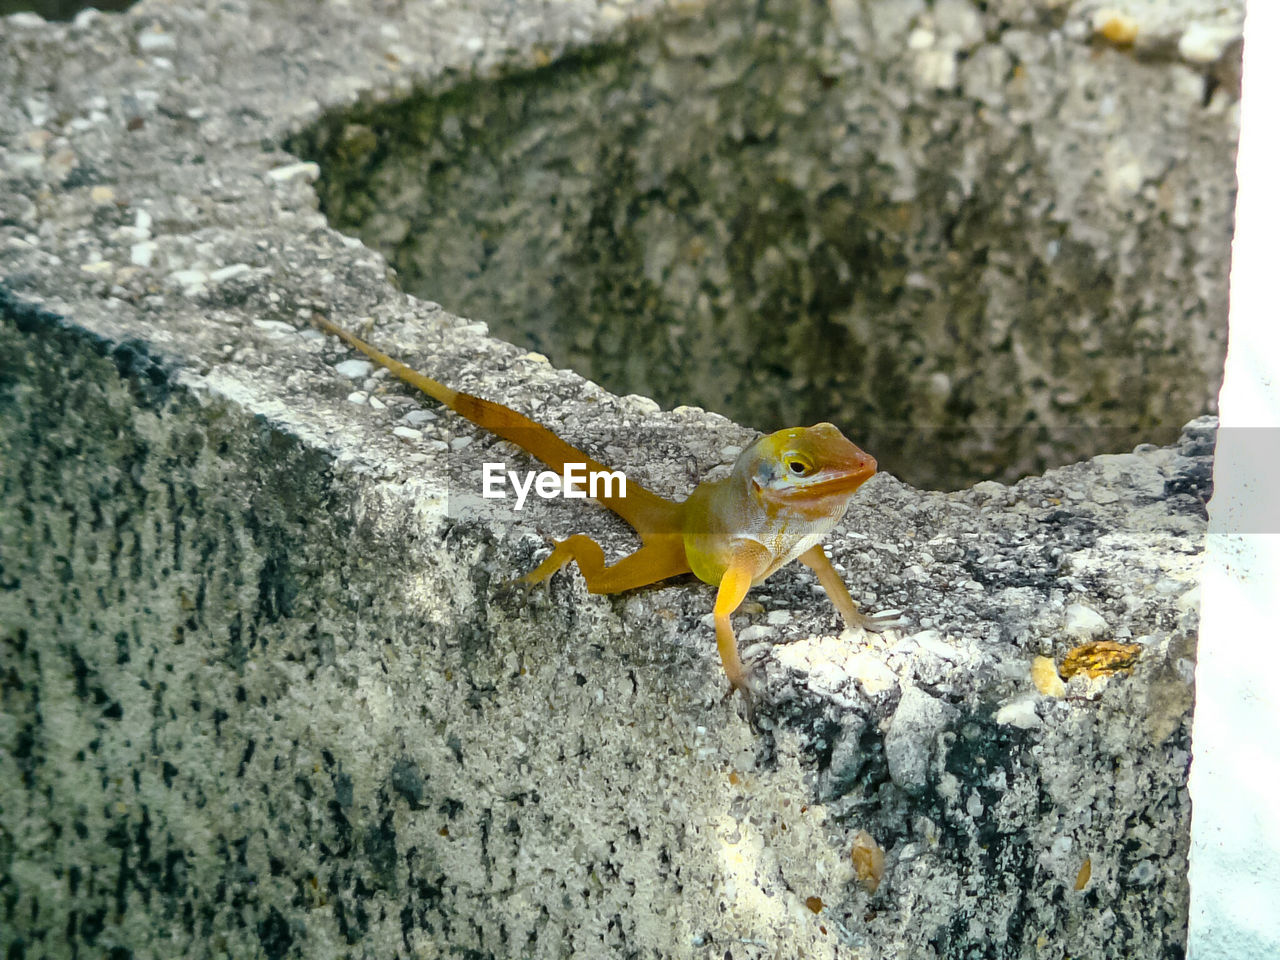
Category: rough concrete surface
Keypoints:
(265, 693)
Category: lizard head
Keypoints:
(811, 469)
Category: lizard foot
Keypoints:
(877, 622)
(745, 686)
(517, 591)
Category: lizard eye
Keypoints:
(797, 467)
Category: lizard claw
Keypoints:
(513, 590)
(745, 686)
(748, 702)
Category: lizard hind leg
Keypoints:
(658, 559)
(578, 547)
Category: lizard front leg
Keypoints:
(815, 558)
(748, 561)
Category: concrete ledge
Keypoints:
(260, 697)
(262, 694)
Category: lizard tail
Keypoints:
(644, 510)
(432, 388)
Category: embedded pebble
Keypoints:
(26, 162)
(417, 418)
(920, 39)
(989, 488)
(1044, 675)
(407, 433)
(873, 673)
(933, 642)
(141, 254)
(359, 397)
(1204, 44)
(1083, 622)
(909, 740)
(638, 401)
(1020, 713)
(276, 327)
(1143, 873)
(191, 281)
(458, 443)
(936, 69)
(1190, 601)
(153, 41)
(354, 369)
(958, 21)
(37, 110)
(306, 169)
(757, 631)
(226, 273)
(1115, 26)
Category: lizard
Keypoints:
(785, 492)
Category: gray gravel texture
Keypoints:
(265, 695)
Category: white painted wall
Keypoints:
(1235, 773)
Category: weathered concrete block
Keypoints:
(264, 695)
(260, 699)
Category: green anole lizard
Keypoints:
(785, 493)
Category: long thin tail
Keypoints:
(644, 510)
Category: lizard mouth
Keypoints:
(845, 482)
(846, 475)
(841, 483)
